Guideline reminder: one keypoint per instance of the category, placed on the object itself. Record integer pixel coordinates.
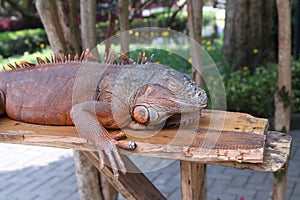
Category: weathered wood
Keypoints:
(168, 144)
(276, 154)
(132, 185)
(193, 185)
(240, 139)
(87, 178)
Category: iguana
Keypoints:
(136, 95)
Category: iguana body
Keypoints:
(137, 96)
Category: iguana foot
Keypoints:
(113, 156)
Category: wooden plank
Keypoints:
(276, 154)
(193, 184)
(171, 145)
(221, 136)
(129, 185)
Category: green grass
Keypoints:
(13, 35)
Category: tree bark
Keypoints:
(194, 8)
(110, 29)
(64, 37)
(88, 23)
(248, 36)
(67, 15)
(123, 14)
(87, 177)
(284, 88)
(47, 11)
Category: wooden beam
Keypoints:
(240, 140)
(132, 185)
(193, 185)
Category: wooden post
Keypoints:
(193, 174)
(283, 89)
(192, 180)
(131, 185)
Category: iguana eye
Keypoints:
(141, 114)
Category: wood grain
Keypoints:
(239, 141)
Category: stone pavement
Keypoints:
(40, 173)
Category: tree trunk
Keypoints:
(194, 8)
(47, 11)
(67, 15)
(63, 38)
(88, 23)
(87, 177)
(123, 14)
(248, 36)
(110, 29)
(284, 88)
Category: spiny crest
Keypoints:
(109, 58)
(54, 58)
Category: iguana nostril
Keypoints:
(141, 114)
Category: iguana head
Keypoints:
(166, 95)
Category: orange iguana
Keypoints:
(94, 96)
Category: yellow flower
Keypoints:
(157, 62)
(255, 51)
(208, 42)
(165, 33)
(42, 45)
(203, 41)
(245, 68)
(190, 60)
(136, 34)
(208, 48)
(130, 32)
(170, 52)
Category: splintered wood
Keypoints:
(223, 138)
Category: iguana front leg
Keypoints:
(84, 116)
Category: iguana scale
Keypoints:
(136, 95)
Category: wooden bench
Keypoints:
(222, 138)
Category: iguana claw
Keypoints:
(127, 145)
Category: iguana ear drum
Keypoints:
(141, 114)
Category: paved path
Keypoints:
(40, 173)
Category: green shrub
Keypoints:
(13, 35)
(18, 42)
(254, 93)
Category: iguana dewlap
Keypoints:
(138, 96)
